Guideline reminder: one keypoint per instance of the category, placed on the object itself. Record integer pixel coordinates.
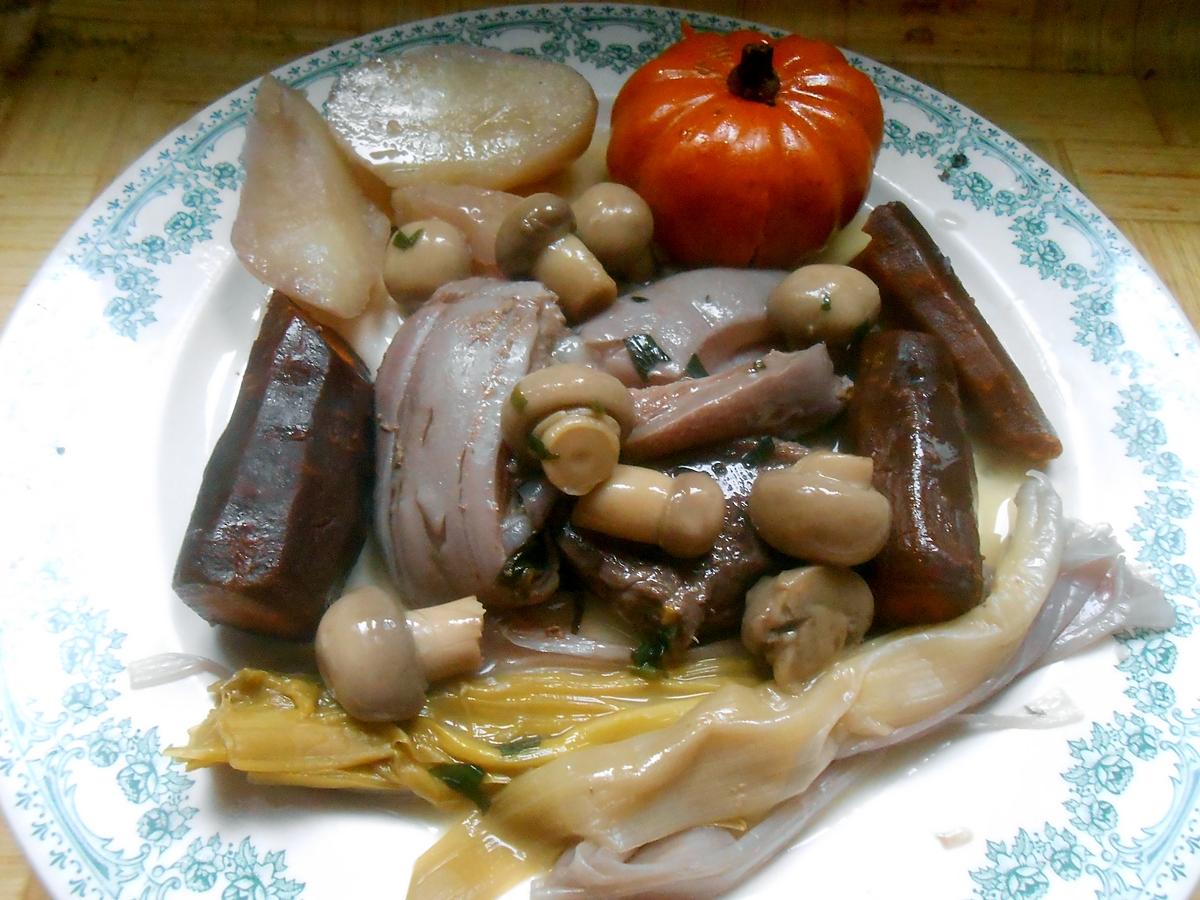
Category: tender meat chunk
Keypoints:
(692, 599)
(449, 507)
(784, 394)
(717, 315)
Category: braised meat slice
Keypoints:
(688, 600)
(782, 393)
(452, 513)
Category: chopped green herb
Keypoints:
(645, 353)
(648, 655)
(757, 366)
(464, 778)
(404, 241)
(518, 400)
(638, 298)
(826, 301)
(695, 368)
(539, 449)
(520, 745)
(762, 450)
(598, 408)
(526, 563)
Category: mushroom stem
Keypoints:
(572, 271)
(683, 515)
(447, 637)
(581, 447)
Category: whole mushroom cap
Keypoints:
(367, 656)
(799, 620)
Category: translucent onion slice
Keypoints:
(163, 668)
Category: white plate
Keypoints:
(119, 368)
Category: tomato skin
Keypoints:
(735, 181)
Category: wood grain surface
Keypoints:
(1107, 92)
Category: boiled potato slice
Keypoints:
(463, 115)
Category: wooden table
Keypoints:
(1107, 93)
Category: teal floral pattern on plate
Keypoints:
(175, 205)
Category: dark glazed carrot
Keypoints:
(283, 507)
(906, 415)
(921, 291)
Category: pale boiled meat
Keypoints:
(448, 508)
(716, 314)
(304, 225)
(783, 394)
(475, 211)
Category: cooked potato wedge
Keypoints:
(463, 115)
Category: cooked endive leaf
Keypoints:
(741, 750)
(287, 729)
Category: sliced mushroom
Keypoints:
(378, 658)
(823, 302)
(800, 620)
(535, 238)
(572, 418)
(683, 515)
(822, 509)
(616, 224)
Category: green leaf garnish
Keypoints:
(540, 450)
(826, 301)
(404, 241)
(464, 778)
(598, 408)
(695, 368)
(649, 653)
(526, 563)
(645, 353)
(520, 745)
(638, 298)
(518, 400)
(757, 366)
(762, 450)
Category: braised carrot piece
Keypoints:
(906, 415)
(920, 291)
(283, 507)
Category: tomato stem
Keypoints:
(754, 78)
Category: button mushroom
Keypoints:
(616, 224)
(421, 257)
(535, 239)
(378, 658)
(822, 509)
(683, 515)
(799, 620)
(572, 418)
(823, 302)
